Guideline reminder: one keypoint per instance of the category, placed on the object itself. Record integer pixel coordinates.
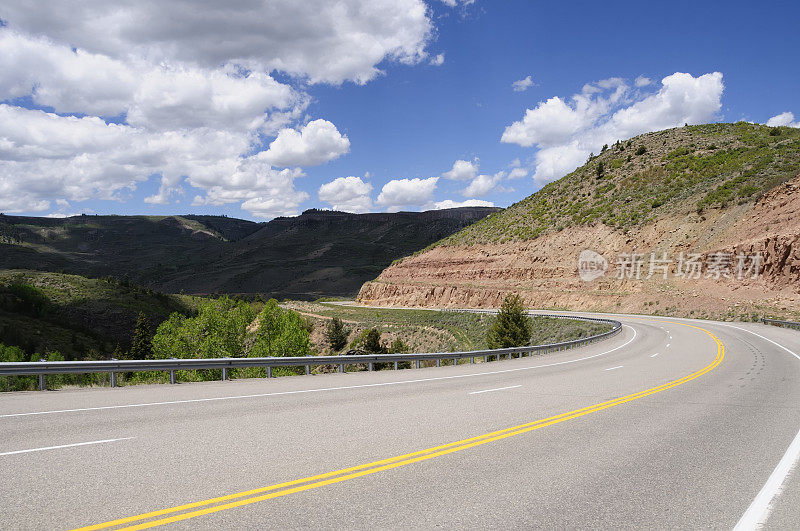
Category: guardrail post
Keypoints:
(341, 367)
(370, 366)
(455, 361)
(395, 365)
(438, 362)
(42, 379)
(308, 369)
(418, 364)
(113, 376)
(485, 359)
(224, 373)
(269, 371)
(472, 360)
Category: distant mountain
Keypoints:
(713, 190)
(317, 254)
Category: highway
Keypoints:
(670, 424)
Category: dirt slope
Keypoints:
(502, 254)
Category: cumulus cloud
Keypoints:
(347, 194)
(785, 119)
(483, 184)
(456, 3)
(517, 173)
(44, 156)
(523, 84)
(463, 170)
(184, 92)
(437, 60)
(315, 143)
(321, 40)
(407, 192)
(642, 81)
(449, 203)
(566, 131)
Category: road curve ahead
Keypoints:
(670, 424)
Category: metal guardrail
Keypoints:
(785, 324)
(43, 368)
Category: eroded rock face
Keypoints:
(544, 270)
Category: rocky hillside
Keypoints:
(715, 191)
(314, 255)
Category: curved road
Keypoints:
(670, 424)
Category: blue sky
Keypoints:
(371, 117)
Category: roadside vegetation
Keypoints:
(227, 327)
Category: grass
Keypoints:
(436, 331)
(77, 316)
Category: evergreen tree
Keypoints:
(336, 334)
(141, 342)
(511, 328)
(370, 341)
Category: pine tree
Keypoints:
(511, 328)
(336, 334)
(141, 342)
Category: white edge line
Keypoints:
(762, 337)
(654, 355)
(756, 515)
(612, 368)
(759, 510)
(65, 446)
(498, 389)
(323, 389)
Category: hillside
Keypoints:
(729, 188)
(79, 317)
(314, 255)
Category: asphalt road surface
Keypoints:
(670, 424)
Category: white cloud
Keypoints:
(566, 132)
(463, 170)
(347, 194)
(325, 41)
(642, 81)
(44, 157)
(191, 87)
(316, 143)
(784, 118)
(456, 3)
(483, 184)
(449, 203)
(407, 192)
(551, 122)
(556, 161)
(523, 84)
(517, 173)
(437, 60)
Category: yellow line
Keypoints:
(345, 474)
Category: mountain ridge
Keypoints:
(316, 254)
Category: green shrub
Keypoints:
(511, 328)
(370, 341)
(280, 332)
(398, 347)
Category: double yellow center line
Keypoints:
(239, 499)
